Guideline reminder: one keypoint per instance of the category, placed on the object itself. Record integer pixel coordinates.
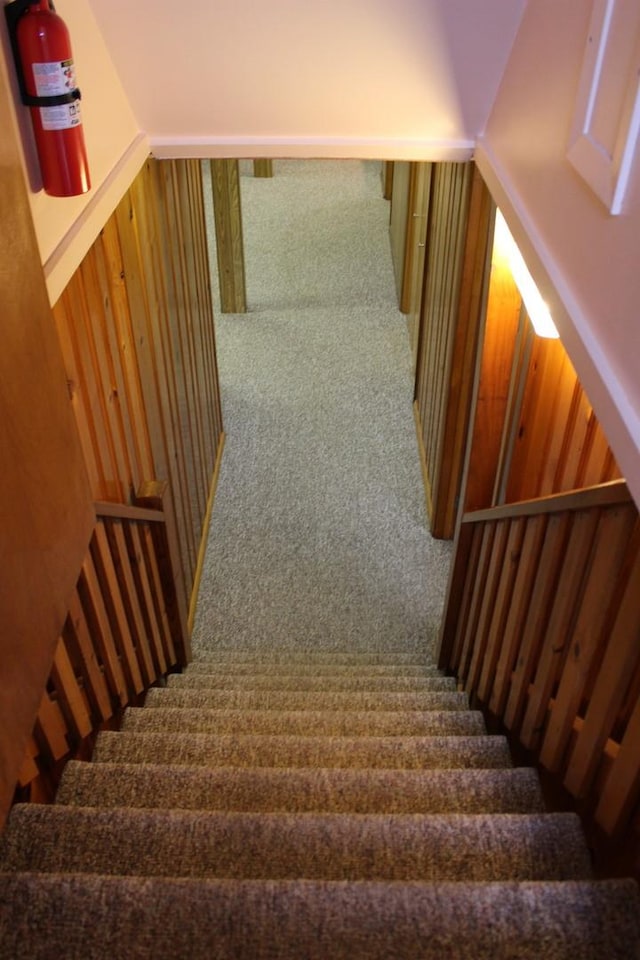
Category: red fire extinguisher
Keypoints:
(42, 49)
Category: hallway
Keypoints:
(319, 533)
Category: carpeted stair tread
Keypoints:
(302, 700)
(270, 655)
(259, 668)
(201, 749)
(303, 790)
(425, 848)
(305, 684)
(307, 722)
(101, 917)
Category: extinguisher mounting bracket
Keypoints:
(13, 11)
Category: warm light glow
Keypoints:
(538, 311)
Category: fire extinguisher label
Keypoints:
(61, 118)
(52, 79)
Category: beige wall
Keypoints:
(374, 78)
(65, 228)
(586, 261)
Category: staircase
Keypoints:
(305, 806)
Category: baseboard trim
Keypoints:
(205, 534)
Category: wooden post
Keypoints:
(155, 495)
(263, 168)
(225, 180)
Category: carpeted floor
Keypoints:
(319, 535)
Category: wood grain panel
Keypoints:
(263, 168)
(501, 328)
(457, 240)
(399, 225)
(560, 444)
(136, 329)
(227, 211)
(46, 515)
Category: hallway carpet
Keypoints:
(310, 788)
(319, 534)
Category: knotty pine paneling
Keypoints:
(559, 444)
(135, 325)
(457, 240)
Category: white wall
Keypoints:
(376, 78)
(586, 261)
(116, 149)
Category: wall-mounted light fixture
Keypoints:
(535, 306)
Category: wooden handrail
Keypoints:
(124, 511)
(602, 495)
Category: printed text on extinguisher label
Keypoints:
(61, 118)
(52, 79)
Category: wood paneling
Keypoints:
(503, 342)
(400, 226)
(387, 179)
(559, 443)
(263, 168)
(136, 328)
(227, 210)
(457, 243)
(554, 645)
(416, 251)
(46, 515)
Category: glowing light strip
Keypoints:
(535, 306)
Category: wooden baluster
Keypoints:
(91, 594)
(144, 594)
(466, 564)
(519, 608)
(70, 694)
(156, 495)
(79, 643)
(618, 667)
(546, 579)
(568, 592)
(129, 593)
(125, 642)
(489, 591)
(478, 577)
(588, 636)
(622, 789)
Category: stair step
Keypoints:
(100, 917)
(307, 722)
(425, 848)
(300, 790)
(272, 655)
(304, 684)
(210, 750)
(313, 669)
(301, 700)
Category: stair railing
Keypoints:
(125, 629)
(542, 629)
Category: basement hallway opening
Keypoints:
(319, 535)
